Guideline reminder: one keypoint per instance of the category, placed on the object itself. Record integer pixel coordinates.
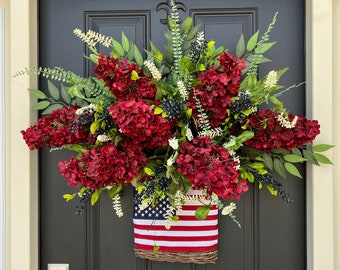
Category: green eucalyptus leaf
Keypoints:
(272, 190)
(188, 113)
(245, 136)
(125, 42)
(309, 155)
(261, 59)
(293, 158)
(64, 94)
(187, 24)
(158, 110)
(95, 196)
(185, 65)
(53, 107)
(276, 101)
(252, 41)
(322, 147)
(94, 126)
(149, 171)
(75, 91)
(257, 165)
(131, 51)
(202, 212)
(192, 32)
(69, 197)
(322, 158)
(268, 161)
(41, 105)
(53, 90)
(279, 167)
(201, 67)
(296, 151)
(252, 80)
(134, 75)
(82, 190)
(77, 148)
(291, 168)
(159, 94)
(37, 93)
(114, 191)
(118, 47)
(138, 56)
(264, 47)
(241, 46)
(93, 58)
(158, 57)
(247, 175)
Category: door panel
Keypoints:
(272, 234)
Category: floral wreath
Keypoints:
(192, 118)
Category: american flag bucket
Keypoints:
(187, 240)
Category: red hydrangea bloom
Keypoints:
(216, 88)
(145, 87)
(210, 166)
(270, 134)
(54, 130)
(117, 76)
(232, 67)
(136, 120)
(103, 166)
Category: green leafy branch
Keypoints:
(52, 102)
(283, 161)
(255, 48)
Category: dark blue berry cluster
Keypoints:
(197, 49)
(243, 102)
(155, 183)
(267, 179)
(172, 107)
(84, 201)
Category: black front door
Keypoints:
(272, 234)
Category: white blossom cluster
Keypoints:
(173, 142)
(91, 38)
(91, 107)
(153, 69)
(117, 206)
(226, 211)
(146, 203)
(237, 159)
(103, 138)
(200, 39)
(169, 215)
(188, 134)
(211, 132)
(284, 121)
(271, 80)
(182, 90)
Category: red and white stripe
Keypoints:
(188, 234)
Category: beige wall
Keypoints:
(323, 95)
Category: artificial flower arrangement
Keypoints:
(190, 119)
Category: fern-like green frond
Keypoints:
(261, 46)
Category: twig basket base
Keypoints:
(182, 257)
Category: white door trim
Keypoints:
(21, 165)
(323, 97)
(2, 137)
